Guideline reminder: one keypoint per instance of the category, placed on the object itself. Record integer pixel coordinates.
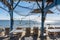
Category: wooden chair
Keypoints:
(7, 30)
(35, 30)
(35, 33)
(28, 32)
(50, 28)
(18, 28)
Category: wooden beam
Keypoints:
(30, 0)
(6, 3)
(50, 0)
(38, 0)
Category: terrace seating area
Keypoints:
(21, 34)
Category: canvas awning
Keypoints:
(39, 11)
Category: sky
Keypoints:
(22, 11)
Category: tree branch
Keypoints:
(17, 4)
(4, 9)
(6, 3)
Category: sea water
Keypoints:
(17, 23)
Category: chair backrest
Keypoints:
(18, 28)
(35, 30)
(57, 27)
(50, 28)
(7, 31)
(28, 32)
